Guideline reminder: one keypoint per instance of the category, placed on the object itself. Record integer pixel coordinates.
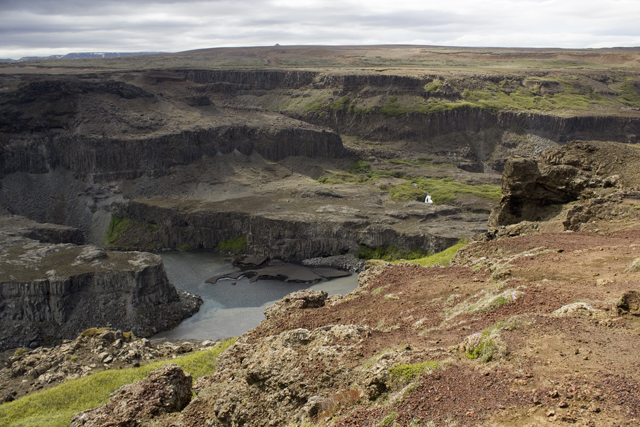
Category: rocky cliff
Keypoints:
(536, 189)
(300, 229)
(52, 289)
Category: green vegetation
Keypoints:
(571, 94)
(20, 351)
(235, 246)
(442, 190)
(628, 94)
(55, 407)
(340, 104)
(392, 108)
(117, 226)
(480, 346)
(388, 419)
(433, 86)
(92, 332)
(378, 291)
(409, 372)
(441, 258)
(390, 253)
(422, 161)
(185, 247)
(360, 167)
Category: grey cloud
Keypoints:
(169, 25)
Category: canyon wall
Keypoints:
(53, 289)
(291, 235)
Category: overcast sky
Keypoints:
(48, 27)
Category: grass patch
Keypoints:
(482, 345)
(441, 258)
(442, 190)
(408, 373)
(392, 108)
(390, 253)
(628, 94)
(433, 86)
(388, 419)
(340, 104)
(56, 406)
(92, 332)
(117, 226)
(360, 167)
(236, 246)
(378, 291)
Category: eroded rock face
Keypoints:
(533, 190)
(282, 379)
(53, 291)
(296, 300)
(165, 390)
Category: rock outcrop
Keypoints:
(94, 350)
(165, 390)
(53, 291)
(536, 189)
(298, 230)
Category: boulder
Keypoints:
(165, 390)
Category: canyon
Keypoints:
(302, 152)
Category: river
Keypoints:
(229, 309)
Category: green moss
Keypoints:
(185, 247)
(390, 253)
(20, 351)
(433, 86)
(55, 407)
(628, 94)
(407, 191)
(482, 346)
(439, 106)
(117, 226)
(408, 373)
(388, 419)
(442, 190)
(92, 332)
(441, 258)
(236, 246)
(392, 108)
(378, 291)
(120, 227)
(360, 167)
(339, 105)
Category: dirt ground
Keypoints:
(578, 366)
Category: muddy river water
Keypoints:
(231, 307)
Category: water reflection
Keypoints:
(228, 309)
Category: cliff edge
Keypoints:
(53, 288)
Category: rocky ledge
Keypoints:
(25, 371)
(51, 288)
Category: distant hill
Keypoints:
(80, 55)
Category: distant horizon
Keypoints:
(45, 28)
(143, 52)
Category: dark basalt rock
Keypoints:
(54, 289)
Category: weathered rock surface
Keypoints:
(53, 291)
(534, 190)
(294, 229)
(165, 390)
(25, 371)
